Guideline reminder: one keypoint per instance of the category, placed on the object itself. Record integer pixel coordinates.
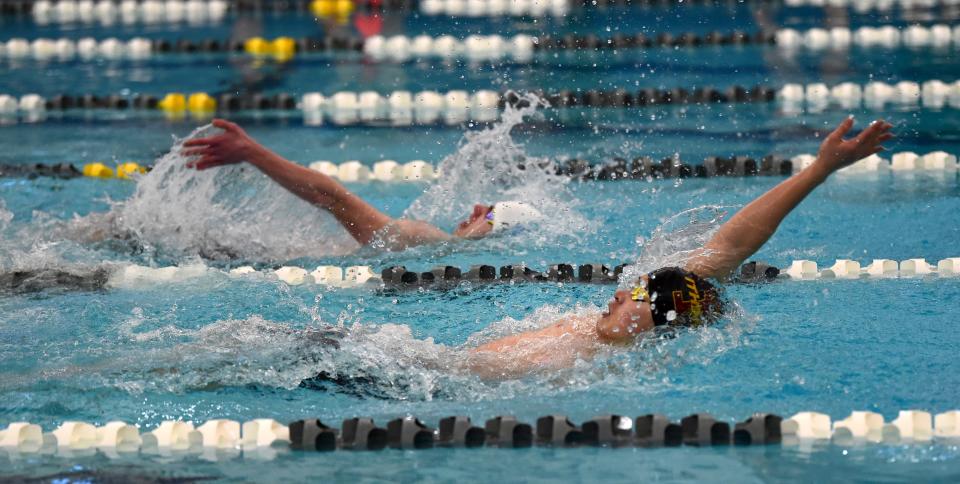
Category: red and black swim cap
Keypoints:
(680, 297)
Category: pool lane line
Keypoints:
(443, 277)
(519, 48)
(110, 12)
(456, 108)
(265, 438)
(447, 276)
(643, 168)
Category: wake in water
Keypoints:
(378, 361)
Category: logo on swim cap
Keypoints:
(683, 297)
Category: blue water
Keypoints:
(216, 347)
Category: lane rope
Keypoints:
(265, 437)
(520, 48)
(399, 278)
(109, 12)
(640, 168)
(447, 277)
(405, 108)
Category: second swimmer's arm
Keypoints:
(360, 218)
(753, 225)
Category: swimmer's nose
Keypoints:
(621, 295)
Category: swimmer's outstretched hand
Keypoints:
(232, 146)
(836, 152)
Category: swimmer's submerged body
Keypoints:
(673, 296)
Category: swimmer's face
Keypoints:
(477, 225)
(624, 317)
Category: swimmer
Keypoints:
(676, 296)
(366, 224)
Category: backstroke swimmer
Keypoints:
(366, 224)
(666, 297)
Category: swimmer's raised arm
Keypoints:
(361, 219)
(751, 227)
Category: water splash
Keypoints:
(490, 166)
(674, 241)
(225, 213)
(6, 216)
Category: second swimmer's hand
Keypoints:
(232, 146)
(836, 152)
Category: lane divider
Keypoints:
(399, 277)
(877, 268)
(641, 168)
(520, 48)
(405, 108)
(441, 277)
(108, 12)
(863, 6)
(874, 95)
(888, 36)
(496, 8)
(174, 437)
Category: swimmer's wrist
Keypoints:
(259, 157)
(821, 170)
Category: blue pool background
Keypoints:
(828, 346)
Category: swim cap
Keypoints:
(506, 215)
(681, 297)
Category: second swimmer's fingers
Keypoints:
(200, 141)
(226, 125)
(193, 152)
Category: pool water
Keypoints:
(219, 347)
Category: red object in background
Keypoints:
(368, 24)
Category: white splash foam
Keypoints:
(227, 212)
(490, 166)
(674, 241)
(6, 216)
